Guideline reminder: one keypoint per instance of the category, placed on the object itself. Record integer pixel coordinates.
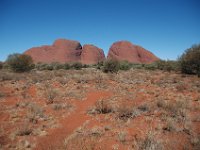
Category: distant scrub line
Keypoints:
(106, 66)
(188, 63)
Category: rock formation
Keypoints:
(91, 54)
(64, 50)
(124, 50)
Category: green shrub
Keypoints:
(151, 66)
(125, 65)
(168, 65)
(190, 60)
(76, 65)
(111, 65)
(51, 66)
(20, 62)
(137, 66)
(56, 65)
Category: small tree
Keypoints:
(111, 65)
(20, 62)
(190, 60)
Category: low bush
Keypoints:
(151, 66)
(76, 65)
(57, 66)
(52, 66)
(125, 65)
(20, 62)
(167, 65)
(137, 66)
(111, 66)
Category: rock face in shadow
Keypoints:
(63, 51)
(124, 50)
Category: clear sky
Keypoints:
(165, 27)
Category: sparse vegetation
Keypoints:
(176, 108)
(120, 108)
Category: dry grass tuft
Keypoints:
(103, 107)
(34, 112)
(24, 129)
(149, 143)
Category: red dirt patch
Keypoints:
(55, 137)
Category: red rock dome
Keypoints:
(91, 54)
(124, 50)
(64, 50)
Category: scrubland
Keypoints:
(88, 109)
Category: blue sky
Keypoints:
(165, 27)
